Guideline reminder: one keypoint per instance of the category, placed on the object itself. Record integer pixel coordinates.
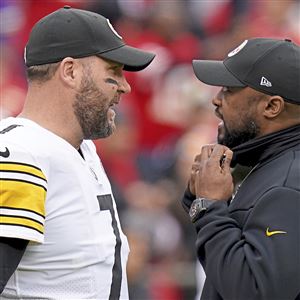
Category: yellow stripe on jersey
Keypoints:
(21, 221)
(22, 195)
(22, 168)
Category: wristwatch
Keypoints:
(198, 208)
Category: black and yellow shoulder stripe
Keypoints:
(22, 168)
(23, 189)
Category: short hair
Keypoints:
(41, 73)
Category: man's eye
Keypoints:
(116, 72)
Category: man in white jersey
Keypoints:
(60, 235)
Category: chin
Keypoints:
(113, 130)
(112, 127)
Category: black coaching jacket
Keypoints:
(250, 249)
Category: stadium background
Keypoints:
(162, 123)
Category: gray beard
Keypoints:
(91, 108)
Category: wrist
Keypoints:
(199, 207)
(189, 194)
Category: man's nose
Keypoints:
(217, 99)
(124, 86)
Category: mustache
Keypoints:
(115, 100)
(218, 114)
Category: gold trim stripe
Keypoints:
(22, 168)
(22, 195)
(22, 180)
(20, 210)
(21, 221)
(19, 172)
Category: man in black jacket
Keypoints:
(248, 241)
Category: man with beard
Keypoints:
(249, 242)
(60, 235)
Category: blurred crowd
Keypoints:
(163, 123)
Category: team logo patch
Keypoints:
(5, 153)
(238, 49)
(113, 30)
(264, 81)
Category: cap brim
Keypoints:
(215, 73)
(132, 58)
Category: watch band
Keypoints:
(198, 208)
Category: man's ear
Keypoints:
(273, 106)
(69, 72)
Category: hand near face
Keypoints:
(211, 176)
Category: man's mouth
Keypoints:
(221, 125)
(217, 113)
(115, 102)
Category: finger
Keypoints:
(197, 159)
(218, 152)
(222, 160)
(195, 166)
(229, 154)
(206, 151)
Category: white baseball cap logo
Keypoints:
(264, 81)
(238, 49)
(25, 55)
(113, 30)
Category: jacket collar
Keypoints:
(264, 147)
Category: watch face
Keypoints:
(193, 210)
(196, 209)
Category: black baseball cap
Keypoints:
(270, 66)
(79, 33)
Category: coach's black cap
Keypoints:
(80, 33)
(268, 65)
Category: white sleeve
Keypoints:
(23, 189)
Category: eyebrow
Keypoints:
(114, 65)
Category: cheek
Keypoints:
(110, 91)
(109, 88)
(233, 119)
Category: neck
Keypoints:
(51, 108)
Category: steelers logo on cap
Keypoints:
(113, 30)
(238, 49)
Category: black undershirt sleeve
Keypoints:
(11, 252)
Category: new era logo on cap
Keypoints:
(264, 81)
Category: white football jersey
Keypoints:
(62, 204)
